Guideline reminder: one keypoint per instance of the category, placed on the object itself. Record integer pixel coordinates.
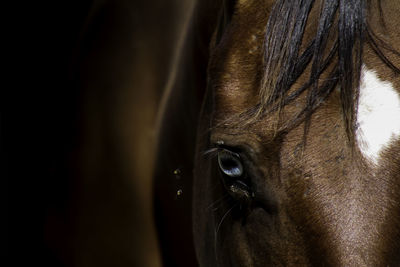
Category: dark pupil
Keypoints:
(230, 164)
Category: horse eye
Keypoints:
(230, 164)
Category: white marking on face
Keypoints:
(378, 115)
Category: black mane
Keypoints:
(344, 21)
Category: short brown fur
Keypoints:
(332, 207)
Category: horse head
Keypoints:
(298, 147)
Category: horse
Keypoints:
(279, 139)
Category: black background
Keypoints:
(76, 72)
